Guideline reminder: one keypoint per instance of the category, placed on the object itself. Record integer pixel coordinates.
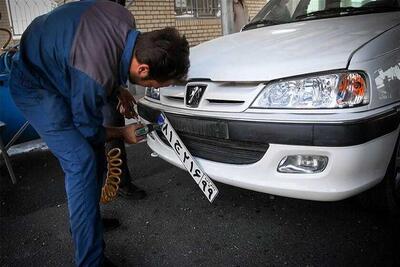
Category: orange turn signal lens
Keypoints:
(352, 89)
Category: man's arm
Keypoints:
(126, 103)
(87, 99)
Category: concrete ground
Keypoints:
(176, 226)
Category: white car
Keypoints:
(304, 102)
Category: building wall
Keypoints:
(153, 14)
(199, 30)
(157, 14)
(4, 23)
(254, 6)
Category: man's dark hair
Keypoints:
(166, 52)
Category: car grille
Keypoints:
(209, 139)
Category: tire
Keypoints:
(386, 195)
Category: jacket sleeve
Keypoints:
(87, 99)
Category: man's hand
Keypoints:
(127, 133)
(126, 103)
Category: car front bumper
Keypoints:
(358, 152)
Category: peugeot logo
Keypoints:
(194, 94)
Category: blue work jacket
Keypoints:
(80, 51)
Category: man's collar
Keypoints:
(127, 55)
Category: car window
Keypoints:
(315, 6)
(286, 11)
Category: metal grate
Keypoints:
(208, 139)
(197, 8)
(221, 150)
(22, 12)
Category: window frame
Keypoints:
(30, 10)
(194, 9)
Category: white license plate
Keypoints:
(204, 182)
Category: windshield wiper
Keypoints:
(261, 23)
(347, 11)
(328, 11)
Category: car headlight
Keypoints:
(153, 93)
(337, 90)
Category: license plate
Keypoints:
(200, 177)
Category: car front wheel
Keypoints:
(386, 195)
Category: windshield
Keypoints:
(286, 11)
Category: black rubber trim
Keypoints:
(308, 134)
(220, 150)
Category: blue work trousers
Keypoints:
(82, 162)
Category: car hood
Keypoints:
(286, 50)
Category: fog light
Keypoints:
(303, 164)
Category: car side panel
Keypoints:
(380, 59)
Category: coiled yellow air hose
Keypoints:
(113, 179)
